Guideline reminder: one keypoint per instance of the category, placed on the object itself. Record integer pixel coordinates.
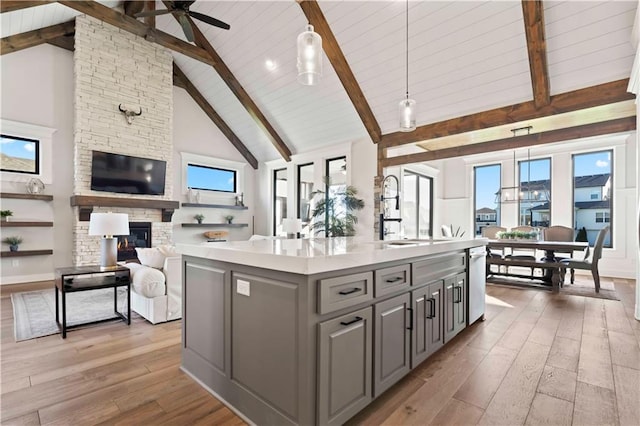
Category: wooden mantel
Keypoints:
(86, 203)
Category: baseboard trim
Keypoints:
(19, 279)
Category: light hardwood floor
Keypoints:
(539, 358)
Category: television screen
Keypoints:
(125, 174)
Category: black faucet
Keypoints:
(382, 198)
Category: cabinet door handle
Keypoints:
(345, 292)
(393, 280)
(459, 298)
(353, 321)
(432, 308)
(410, 318)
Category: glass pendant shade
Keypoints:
(407, 114)
(309, 57)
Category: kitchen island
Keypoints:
(311, 331)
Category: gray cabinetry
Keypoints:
(392, 341)
(427, 303)
(344, 379)
(344, 291)
(455, 301)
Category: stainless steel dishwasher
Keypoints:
(477, 282)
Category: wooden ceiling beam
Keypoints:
(602, 94)
(13, 5)
(150, 20)
(33, 38)
(332, 49)
(136, 27)
(66, 42)
(533, 14)
(181, 80)
(234, 85)
(570, 133)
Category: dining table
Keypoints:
(549, 262)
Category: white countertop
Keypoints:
(316, 255)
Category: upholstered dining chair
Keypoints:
(490, 233)
(524, 254)
(590, 264)
(560, 233)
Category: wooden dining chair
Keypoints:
(590, 264)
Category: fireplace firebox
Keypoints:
(139, 236)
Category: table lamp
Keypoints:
(291, 226)
(108, 225)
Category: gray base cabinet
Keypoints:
(455, 305)
(392, 341)
(344, 379)
(428, 337)
(291, 349)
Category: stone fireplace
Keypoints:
(114, 67)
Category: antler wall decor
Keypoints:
(129, 113)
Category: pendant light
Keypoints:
(309, 56)
(407, 107)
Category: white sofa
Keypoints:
(156, 294)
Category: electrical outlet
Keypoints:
(15, 262)
(244, 287)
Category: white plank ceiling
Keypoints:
(464, 57)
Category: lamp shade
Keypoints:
(309, 57)
(407, 115)
(291, 225)
(109, 224)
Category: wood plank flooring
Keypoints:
(539, 358)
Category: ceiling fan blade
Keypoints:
(152, 13)
(186, 27)
(209, 20)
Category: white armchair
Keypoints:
(156, 294)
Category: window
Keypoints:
(210, 178)
(280, 189)
(592, 175)
(535, 193)
(336, 182)
(305, 199)
(486, 196)
(417, 202)
(20, 155)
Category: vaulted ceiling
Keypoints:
(464, 58)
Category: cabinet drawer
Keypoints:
(389, 280)
(437, 267)
(342, 292)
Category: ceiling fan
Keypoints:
(181, 10)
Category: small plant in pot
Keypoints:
(13, 242)
(4, 214)
(228, 218)
(199, 217)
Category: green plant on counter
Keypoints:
(199, 217)
(456, 233)
(228, 218)
(520, 235)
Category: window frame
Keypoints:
(274, 179)
(327, 163)
(298, 190)
(429, 179)
(235, 178)
(498, 197)
(529, 201)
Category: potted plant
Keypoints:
(333, 213)
(13, 242)
(4, 214)
(199, 217)
(228, 218)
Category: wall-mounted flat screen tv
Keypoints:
(128, 175)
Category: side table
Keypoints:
(65, 282)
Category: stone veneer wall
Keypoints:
(113, 67)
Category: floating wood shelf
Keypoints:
(215, 206)
(215, 225)
(86, 203)
(16, 195)
(24, 223)
(21, 253)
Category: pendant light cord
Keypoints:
(407, 47)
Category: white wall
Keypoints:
(195, 133)
(37, 88)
